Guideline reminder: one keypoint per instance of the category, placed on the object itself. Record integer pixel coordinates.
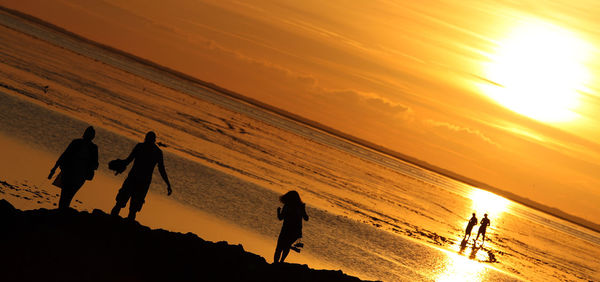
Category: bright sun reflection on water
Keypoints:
(467, 265)
(486, 202)
(538, 71)
(460, 268)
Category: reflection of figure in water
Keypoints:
(77, 164)
(485, 222)
(474, 251)
(145, 157)
(463, 246)
(472, 222)
(491, 256)
(292, 214)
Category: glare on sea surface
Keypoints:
(460, 268)
(538, 71)
(486, 202)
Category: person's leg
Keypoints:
(134, 206)
(138, 197)
(286, 251)
(279, 248)
(285, 246)
(122, 197)
(66, 196)
(71, 184)
(115, 210)
(277, 254)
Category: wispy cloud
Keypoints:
(368, 101)
(461, 129)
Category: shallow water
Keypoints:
(372, 215)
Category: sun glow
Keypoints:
(486, 202)
(459, 268)
(538, 71)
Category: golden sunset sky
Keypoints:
(504, 92)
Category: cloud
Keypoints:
(367, 101)
(349, 98)
(460, 129)
(212, 45)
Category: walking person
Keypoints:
(77, 164)
(472, 222)
(292, 214)
(145, 157)
(485, 222)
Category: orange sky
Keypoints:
(409, 75)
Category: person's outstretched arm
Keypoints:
(163, 173)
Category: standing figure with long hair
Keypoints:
(77, 164)
(292, 213)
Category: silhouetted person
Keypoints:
(292, 213)
(77, 164)
(485, 222)
(472, 222)
(145, 157)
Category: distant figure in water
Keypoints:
(472, 222)
(294, 210)
(485, 222)
(77, 164)
(145, 157)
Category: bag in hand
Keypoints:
(117, 165)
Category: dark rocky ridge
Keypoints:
(50, 245)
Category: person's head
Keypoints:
(473, 214)
(485, 215)
(89, 133)
(290, 198)
(150, 137)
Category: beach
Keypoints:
(371, 215)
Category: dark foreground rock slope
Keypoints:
(48, 245)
